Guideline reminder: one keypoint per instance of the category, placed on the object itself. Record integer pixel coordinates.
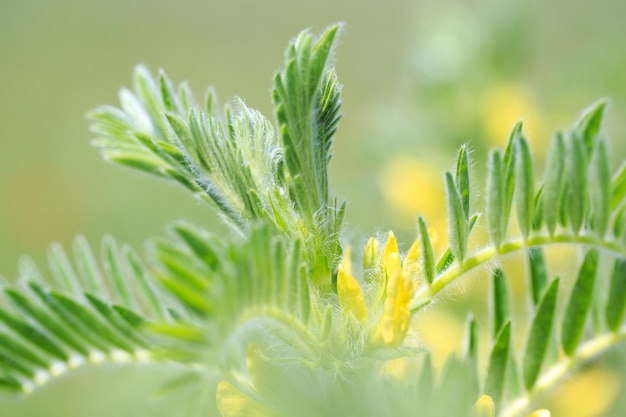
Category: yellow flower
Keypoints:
(391, 256)
(371, 257)
(485, 407)
(233, 403)
(411, 261)
(349, 291)
(412, 186)
(591, 393)
(540, 413)
(503, 106)
(394, 323)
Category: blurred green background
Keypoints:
(420, 77)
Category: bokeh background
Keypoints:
(420, 78)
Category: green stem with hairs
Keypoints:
(425, 295)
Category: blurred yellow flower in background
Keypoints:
(413, 187)
(485, 407)
(503, 106)
(589, 394)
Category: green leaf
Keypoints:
(198, 242)
(14, 366)
(187, 295)
(471, 340)
(141, 161)
(447, 258)
(538, 273)
(29, 309)
(539, 336)
(496, 198)
(132, 318)
(508, 161)
(304, 303)
(114, 320)
(87, 266)
(601, 189)
(91, 323)
(618, 187)
(498, 360)
(457, 225)
(146, 288)
(28, 270)
(619, 224)
(524, 188)
(149, 94)
(19, 350)
(589, 124)
(62, 269)
(307, 110)
(112, 266)
(463, 179)
(328, 114)
(616, 304)
(55, 331)
(33, 335)
(426, 251)
(538, 209)
(9, 383)
(579, 303)
(577, 175)
(513, 385)
(564, 205)
(168, 95)
(71, 320)
(500, 302)
(553, 186)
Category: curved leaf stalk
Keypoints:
(560, 369)
(425, 294)
(57, 369)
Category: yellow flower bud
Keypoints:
(391, 256)
(411, 261)
(371, 256)
(349, 291)
(485, 407)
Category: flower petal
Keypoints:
(391, 256)
(411, 261)
(349, 291)
(394, 323)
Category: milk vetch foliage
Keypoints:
(282, 311)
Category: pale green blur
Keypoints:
(417, 75)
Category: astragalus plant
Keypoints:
(281, 318)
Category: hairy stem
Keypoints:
(483, 257)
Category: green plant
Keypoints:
(276, 312)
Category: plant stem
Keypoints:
(427, 293)
(550, 378)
